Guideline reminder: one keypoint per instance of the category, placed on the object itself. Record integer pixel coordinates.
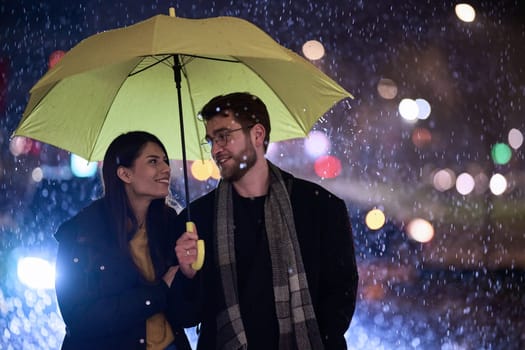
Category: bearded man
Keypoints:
(280, 269)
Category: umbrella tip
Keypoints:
(172, 12)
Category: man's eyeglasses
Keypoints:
(221, 138)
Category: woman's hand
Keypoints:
(170, 275)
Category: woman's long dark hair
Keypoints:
(123, 151)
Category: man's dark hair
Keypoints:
(247, 110)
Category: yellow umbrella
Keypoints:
(123, 79)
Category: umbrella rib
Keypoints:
(169, 56)
(151, 65)
(214, 58)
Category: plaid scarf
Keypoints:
(298, 327)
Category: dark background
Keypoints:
(462, 290)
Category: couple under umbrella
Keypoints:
(138, 78)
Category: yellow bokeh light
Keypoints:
(375, 219)
(215, 172)
(201, 169)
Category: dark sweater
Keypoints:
(254, 273)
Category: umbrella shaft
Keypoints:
(177, 69)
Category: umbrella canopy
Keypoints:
(123, 79)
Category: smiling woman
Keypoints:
(148, 178)
(118, 251)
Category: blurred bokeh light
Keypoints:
(375, 219)
(465, 12)
(408, 109)
(82, 168)
(313, 50)
(36, 273)
(387, 88)
(327, 167)
(515, 138)
(316, 144)
(420, 230)
(498, 184)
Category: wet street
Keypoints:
(442, 310)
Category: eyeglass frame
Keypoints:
(221, 138)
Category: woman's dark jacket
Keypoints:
(325, 237)
(103, 298)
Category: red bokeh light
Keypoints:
(421, 137)
(327, 167)
(55, 57)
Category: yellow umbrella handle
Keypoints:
(197, 265)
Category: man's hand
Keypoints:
(186, 250)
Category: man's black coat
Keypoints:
(325, 238)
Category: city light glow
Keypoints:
(465, 12)
(36, 273)
(515, 138)
(82, 168)
(420, 230)
(375, 219)
(408, 109)
(317, 144)
(498, 184)
(465, 183)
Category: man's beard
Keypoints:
(242, 162)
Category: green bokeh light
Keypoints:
(501, 153)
